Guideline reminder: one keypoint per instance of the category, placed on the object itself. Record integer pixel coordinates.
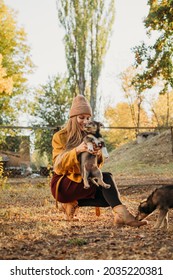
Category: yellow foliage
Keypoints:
(2, 178)
(163, 110)
(120, 116)
(1, 168)
(6, 83)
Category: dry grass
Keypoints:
(32, 228)
(153, 157)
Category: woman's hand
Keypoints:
(97, 150)
(81, 148)
(84, 148)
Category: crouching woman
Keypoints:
(67, 184)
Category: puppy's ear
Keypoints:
(143, 200)
(100, 124)
(143, 203)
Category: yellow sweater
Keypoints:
(68, 163)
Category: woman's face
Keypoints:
(82, 120)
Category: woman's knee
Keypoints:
(108, 178)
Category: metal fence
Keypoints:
(20, 147)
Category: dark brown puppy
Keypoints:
(162, 199)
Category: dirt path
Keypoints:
(31, 228)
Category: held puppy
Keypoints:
(160, 198)
(88, 161)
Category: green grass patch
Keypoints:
(77, 241)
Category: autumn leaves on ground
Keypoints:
(32, 228)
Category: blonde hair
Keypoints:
(74, 133)
(74, 138)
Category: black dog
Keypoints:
(160, 198)
(88, 160)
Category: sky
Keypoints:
(45, 37)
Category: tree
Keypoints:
(6, 87)
(51, 106)
(87, 25)
(120, 116)
(101, 26)
(156, 58)
(162, 109)
(116, 117)
(15, 60)
(132, 95)
(6, 83)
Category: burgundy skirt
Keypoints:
(69, 190)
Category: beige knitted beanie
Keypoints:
(80, 106)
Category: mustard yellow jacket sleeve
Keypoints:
(65, 162)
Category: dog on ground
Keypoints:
(162, 199)
(88, 160)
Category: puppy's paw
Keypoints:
(86, 187)
(107, 186)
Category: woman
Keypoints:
(67, 185)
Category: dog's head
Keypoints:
(143, 210)
(93, 127)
